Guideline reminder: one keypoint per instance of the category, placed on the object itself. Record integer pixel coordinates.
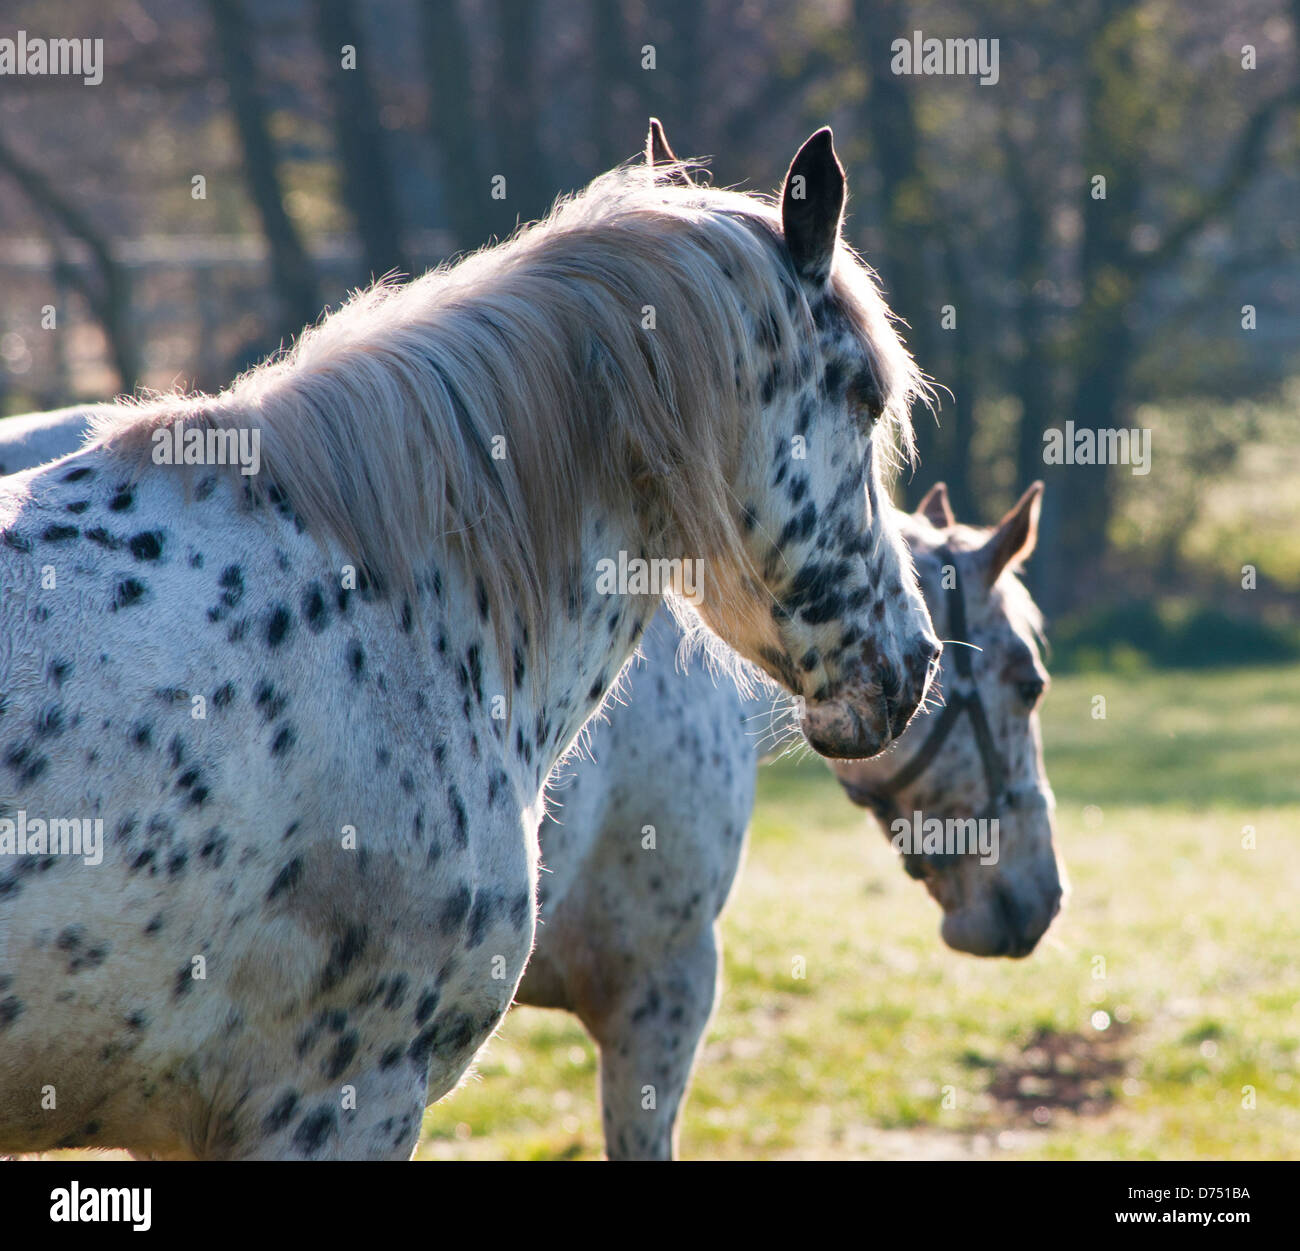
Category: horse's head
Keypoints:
(976, 757)
(833, 612)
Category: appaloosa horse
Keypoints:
(34, 438)
(309, 649)
(643, 840)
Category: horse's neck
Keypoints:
(590, 636)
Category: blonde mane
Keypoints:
(478, 403)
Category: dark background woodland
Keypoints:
(1125, 311)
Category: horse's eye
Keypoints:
(864, 395)
(1030, 691)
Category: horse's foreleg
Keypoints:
(648, 1038)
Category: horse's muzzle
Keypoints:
(1007, 924)
(866, 718)
(836, 729)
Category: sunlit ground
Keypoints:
(1187, 1047)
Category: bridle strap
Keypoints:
(964, 698)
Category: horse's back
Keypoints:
(34, 438)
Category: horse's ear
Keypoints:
(812, 203)
(1016, 535)
(936, 507)
(658, 151)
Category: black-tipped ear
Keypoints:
(1016, 535)
(658, 151)
(936, 508)
(812, 203)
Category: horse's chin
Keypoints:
(973, 935)
(1001, 921)
(837, 729)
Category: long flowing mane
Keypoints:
(608, 349)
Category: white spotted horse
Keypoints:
(34, 438)
(644, 839)
(315, 706)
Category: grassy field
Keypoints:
(893, 1046)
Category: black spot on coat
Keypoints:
(147, 545)
(286, 879)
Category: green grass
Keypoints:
(894, 1046)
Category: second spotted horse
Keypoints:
(628, 936)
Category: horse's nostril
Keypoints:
(1031, 690)
(1010, 914)
(924, 660)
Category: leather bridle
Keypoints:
(962, 696)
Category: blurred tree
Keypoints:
(516, 117)
(907, 203)
(962, 375)
(292, 272)
(681, 77)
(613, 59)
(975, 196)
(453, 123)
(1029, 367)
(1058, 294)
(109, 299)
(1121, 109)
(360, 139)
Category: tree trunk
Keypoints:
(529, 190)
(964, 378)
(613, 61)
(1030, 373)
(366, 174)
(888, 117)
(291, 268)
(680, 74)
(110, 300)
(466, 192)
(1103, 347)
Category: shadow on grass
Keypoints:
(1061, 1072)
